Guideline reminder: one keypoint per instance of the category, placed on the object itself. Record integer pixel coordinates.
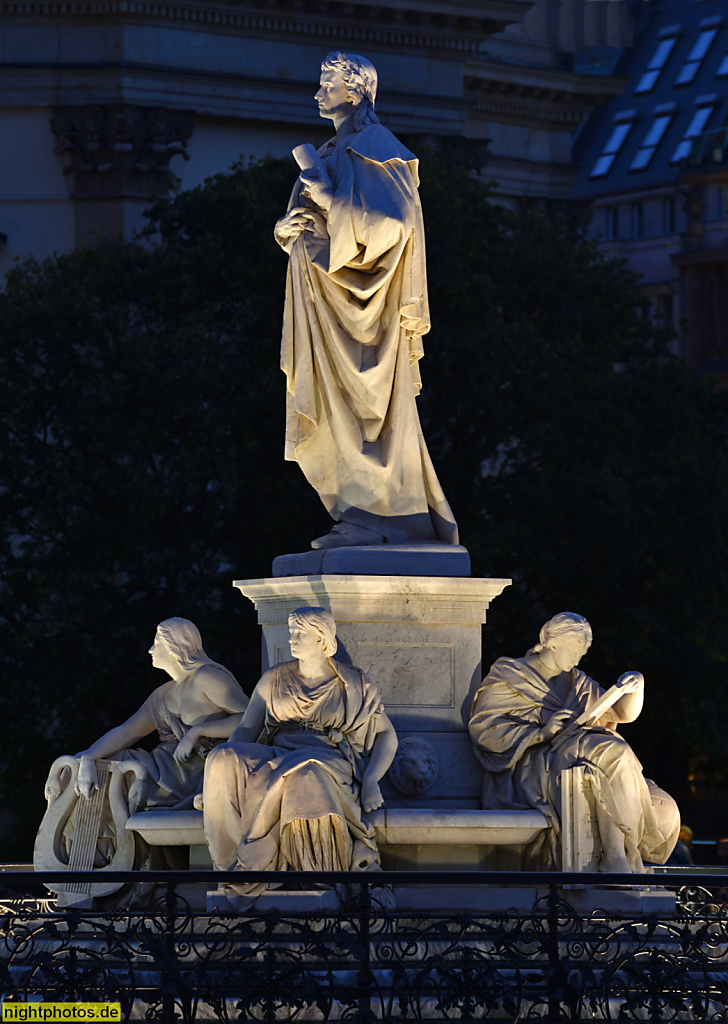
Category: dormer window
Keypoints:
(657, 63)
(697, 123)
(695, 58)
(650, 142)
(612, 146)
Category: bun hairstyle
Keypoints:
(319, 622)
(564, 626)
(360, 78)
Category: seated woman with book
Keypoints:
(531, 720)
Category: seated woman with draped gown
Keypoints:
(525, 732)
(289, 789)
(199, 705)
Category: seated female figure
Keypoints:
(199, 705)
(525, 732)
(293, 797)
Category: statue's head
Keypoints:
(181, 638)
(320, 623)
(567, 635)
(360, 78)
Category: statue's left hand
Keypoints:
(371, 794)
(186, 747)
(630, 682)
(87, 780)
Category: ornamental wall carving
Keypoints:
(120, 150)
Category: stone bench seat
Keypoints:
(398, 826)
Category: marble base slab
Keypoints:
(462, 899)
(378, 560)
(298, 902)
(492, 899)
(392, 826)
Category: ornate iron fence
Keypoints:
(541, 961)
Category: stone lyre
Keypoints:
(106, 806)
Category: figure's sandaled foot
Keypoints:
(347, 535)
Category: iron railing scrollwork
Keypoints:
(546, 959)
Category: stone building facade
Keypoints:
(654, 163)
(100, 99)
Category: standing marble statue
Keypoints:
(525, 731)
(289, 788)
(200, 704)
(355, 313)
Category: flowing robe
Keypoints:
(168, 784)
(355, 312)
(292, 801)
(520, 772)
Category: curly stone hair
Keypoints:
(360, 78)
(319, 622)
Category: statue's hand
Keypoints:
(186, 747)
(317, 189)
(288, 228)
(631, 682)
(556, 724)
(87, 780)
(371, 794)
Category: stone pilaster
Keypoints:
(116, 159)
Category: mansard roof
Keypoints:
(678, 91)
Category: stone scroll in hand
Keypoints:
(308, 160)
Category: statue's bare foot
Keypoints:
(347, 535)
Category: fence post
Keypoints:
(364, 974)
(553, 979)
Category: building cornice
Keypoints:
(460, 25)
(542, 95)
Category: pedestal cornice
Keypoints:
(462, 600)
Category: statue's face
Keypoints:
(333, 97)
(161, 656)
(567, 654)
(303, 643)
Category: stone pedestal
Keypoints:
(419, 638)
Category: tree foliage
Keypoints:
(141, 470)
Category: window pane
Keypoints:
(657, 130)
(702, 43)
(682, 150)
(642, 158)
(647, 81)
(615, 140)
(687, 72)
(698, 122)
(663, 51)
(602, 165)
(723, 68)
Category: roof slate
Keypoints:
(655, 16)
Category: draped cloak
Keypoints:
(169, 784)
(355, 312)
(292, 800)
(520, 772)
